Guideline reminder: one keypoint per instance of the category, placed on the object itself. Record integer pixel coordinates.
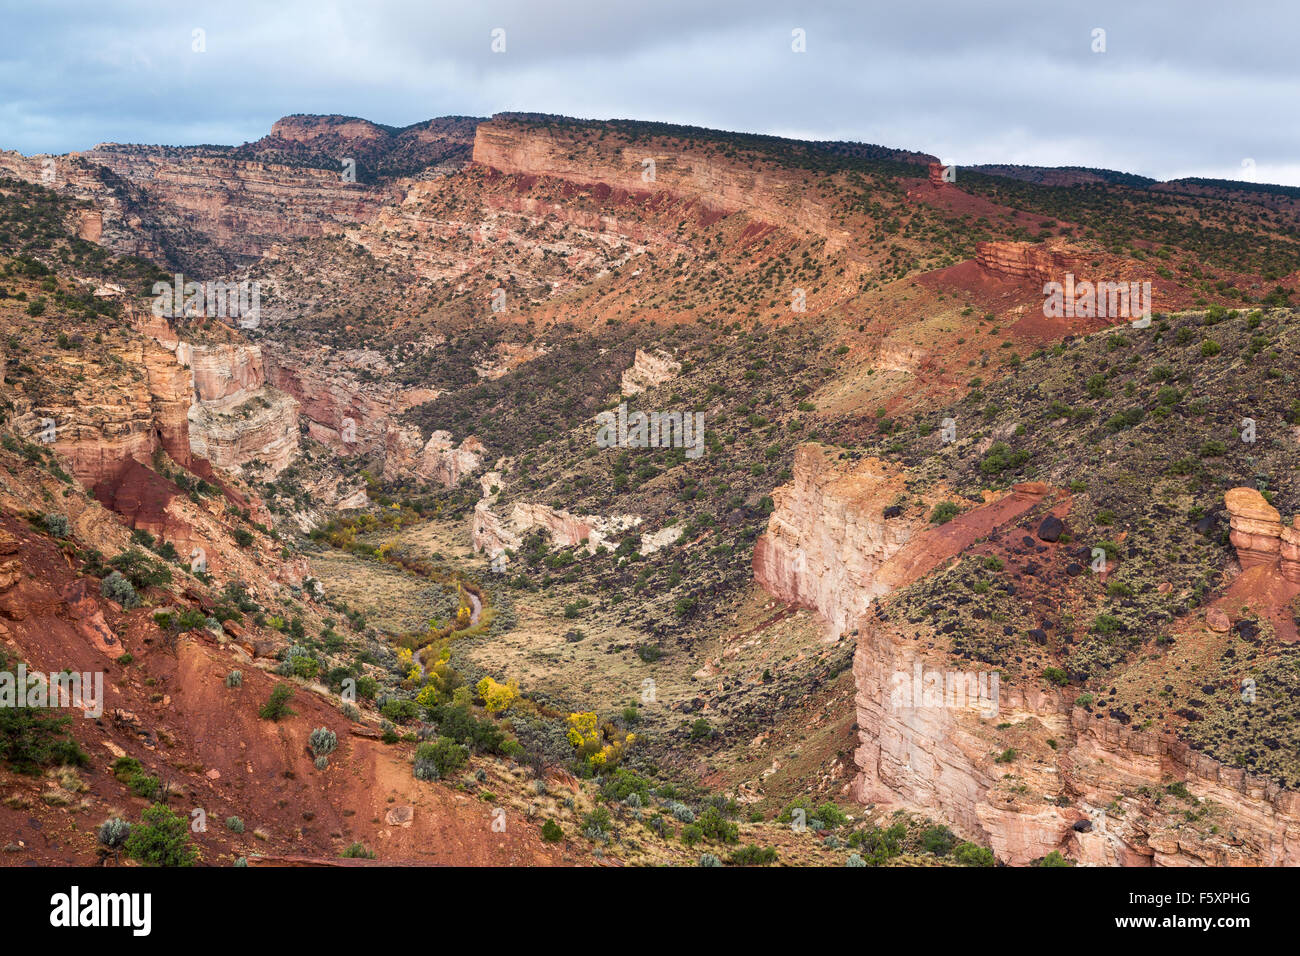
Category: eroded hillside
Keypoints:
(389, 493)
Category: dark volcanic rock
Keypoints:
(1051, 528)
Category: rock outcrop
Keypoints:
(827, 535)
(235, 209)
(341, 412)
(260, 426)
(648, 370)
(234, 417)
(494, 535)
(1041, 262)
(1256, 528)
(829, 547)
(439, 459)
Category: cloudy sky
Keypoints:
(1182, 88)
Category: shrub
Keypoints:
(753, 856)
(969, 854)
(681, 812)
(323, 742)
(234, 824)
(357, 851)
(141, 570)
(113, 832)
(57, 524)
(400, 710)
(598, 821)
(715, 827)
(129, 771)
(31, 739)
(938, 840)
(117, 588)
(1054, 859)
(161, 838)
(944, 512)
(277, 706)
(708, 859)
(235, 679)
(798, 803)
(1056, 676)
(459, 723)
(1000, 458)
(623, 786)
(880, 844)
(855, 860)
(831, 815)
(439, 758)
(551, 832)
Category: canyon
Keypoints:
(413, 412)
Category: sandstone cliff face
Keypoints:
(339, 412)
(827, 535)
(1091, 796)
(257, 425)
(943, 760)
(353, 417)
(438, 459)
(239, 207)
(114, 217)
(1041, 262)
(222, 371)
(773, 195)
(110, 419)
(233, 416)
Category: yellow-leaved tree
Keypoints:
(497, 697)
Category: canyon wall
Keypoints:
(1081, 782)
(1095, 796)
(111, 215)
(238, 206)
(777, 195)
(828, 534)
(339, 412)
(234, 417)
(108, 419)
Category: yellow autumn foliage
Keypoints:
(497, 697)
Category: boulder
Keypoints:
(1051, 528)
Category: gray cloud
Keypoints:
(1193, 89)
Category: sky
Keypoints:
(1188, 88)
